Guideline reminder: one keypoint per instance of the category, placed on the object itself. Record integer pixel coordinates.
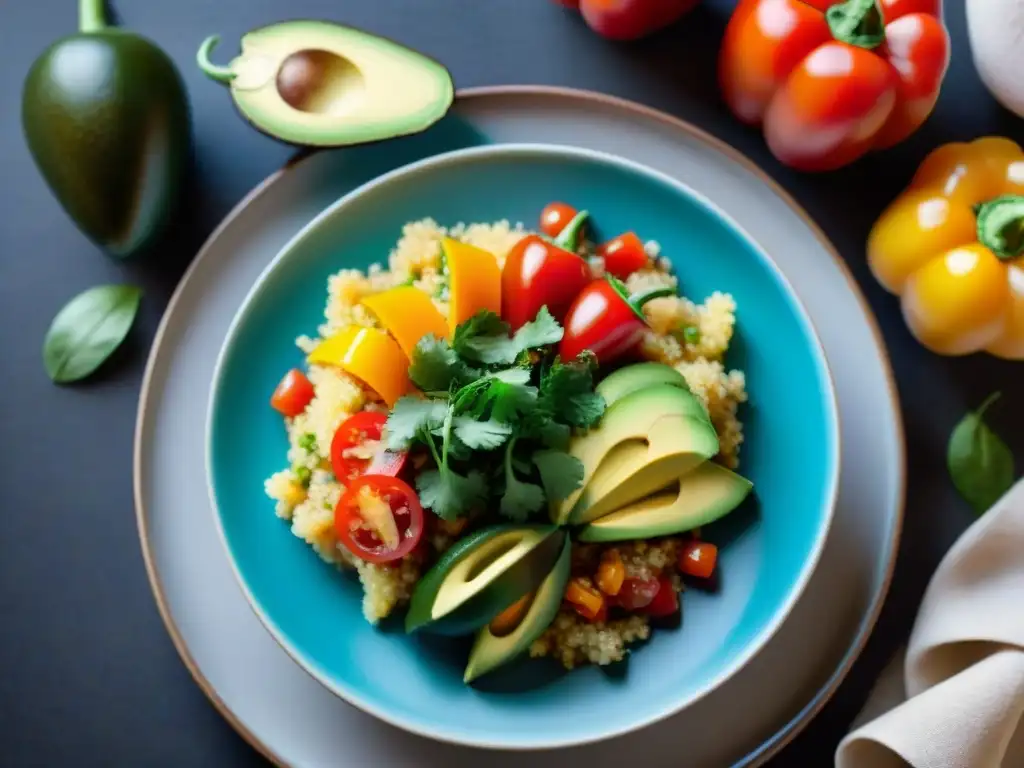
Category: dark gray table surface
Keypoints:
(87, 674)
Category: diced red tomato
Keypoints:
(379, 519)
(554, 217)
(665, 602)
(637, 594)
(698, 558)
(293, 394)
(356, 448)
(624, 255)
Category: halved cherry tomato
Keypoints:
(379, 519)
(293, 393)
(624, 255)
(637, 594)
(666, 600)
(554, 217)
(538, 274)
(698, 558)
(356, 448)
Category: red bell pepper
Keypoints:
(831, 81)
(537, 273)
(605, 320)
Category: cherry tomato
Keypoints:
(698, 558)
(293, 393)
(369, 539)
(537, 274)
(665, 602)
(624, 255)
(356, 448)
(632, 19)
(637, 594)
(554, 217)
(605, 320)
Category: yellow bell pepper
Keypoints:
(370, 355)
(952, 247)
(474, 281)
(408, 314)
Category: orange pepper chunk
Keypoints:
(611, 573)
(586, 600)
(408, 314)
(370, 355)
(509, 619)
(474, 281)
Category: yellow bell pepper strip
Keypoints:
(370, 355)
(951, 246)
(474, 281)
(408, 314)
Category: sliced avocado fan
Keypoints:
(317, 83)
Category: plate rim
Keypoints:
(869, 620)
(499, 152)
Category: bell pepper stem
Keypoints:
(211, 70)
(642, 298)
(636, 303)
(857, 22)
(91, 16)
(1001, 226)
(569, 238)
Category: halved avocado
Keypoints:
(480, 576)
(644, 442)
(633, 378)
(701, 496)
(491, 651)
(317, 83)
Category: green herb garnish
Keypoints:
(980, 463)
(691, 334)
(308, 442)
(303, 475)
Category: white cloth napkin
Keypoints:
(955, 699)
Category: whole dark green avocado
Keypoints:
(106, 118)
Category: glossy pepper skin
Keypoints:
(370, 355)
(536, 274)
(605, 320)
(951, 246)
(632, 19)
(830, 81)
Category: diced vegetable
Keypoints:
(698, 558)
(637, 593)
(666, 600)
(357, 448)
(624, 255)
(611, 573)
(585, 600)
(474, 282)
(554, 217)
(379, 519)
(408, 314)
(509, 619)
(293, 394)
(370, 355)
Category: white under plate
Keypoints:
(294, 721)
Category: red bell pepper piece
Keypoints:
(537, 273)
(829, 80)
(605, 320)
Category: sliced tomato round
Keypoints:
(379, 518)
(292, 394)
(554, 217)
(356, 448)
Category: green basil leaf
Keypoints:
(88, 330)
(980, 463)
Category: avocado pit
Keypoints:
(320, 82)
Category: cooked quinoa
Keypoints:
(691, 337)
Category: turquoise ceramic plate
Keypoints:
(769, 548)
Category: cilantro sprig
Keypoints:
(498, 405)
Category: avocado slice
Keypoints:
(491, 651)
(645, 441)
(638, 376)
(317, 83)
(480, 576)
(700, 497)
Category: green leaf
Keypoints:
(449, 494)
(560, 473)
(481, 435)
(980, 464)
(435, 366)
(567, 392)
(475, 333)
(496, 348)
(409, 417)
(509, 401)
(520, 499)
(88, 330)
(540, 332)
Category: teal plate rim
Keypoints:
(833, 469)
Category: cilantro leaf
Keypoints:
(509, 401)
(488, 341)
(560, 473)
(540, 332)
(409, 417)
(481, 435)
(473, 336)
(449, 494)
(512, 376)
(520, 499)
(567, 391)
(435, 366)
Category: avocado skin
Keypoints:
(106, 118)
